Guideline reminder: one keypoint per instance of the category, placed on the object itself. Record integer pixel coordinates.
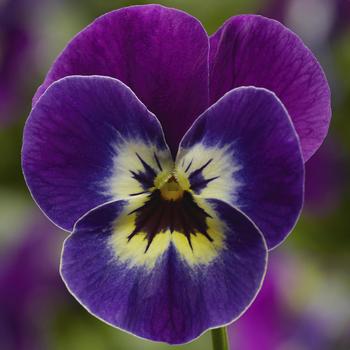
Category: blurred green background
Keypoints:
(306, 301)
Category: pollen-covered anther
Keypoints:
(171, 190)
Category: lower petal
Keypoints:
(176, 297)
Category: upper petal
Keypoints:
(169, 293)
(89, 140)
(244, 150)
(254, 50)
(160, 53)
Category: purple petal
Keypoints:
(89, 140)
(160, 53)
(253, 50)
(248, 153)
(174, 301)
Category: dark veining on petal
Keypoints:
(145, 177)
(183, 215)
(200, 185)
(138, 193)
(200, 170)
(197, 180)
(188, 166)
(158, 162)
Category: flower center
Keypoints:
(178, 212)
(170, 207)
(171, 190)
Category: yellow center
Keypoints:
(171, 190)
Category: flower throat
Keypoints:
(172, 208)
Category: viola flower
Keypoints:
(175, 175)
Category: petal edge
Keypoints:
(254, 50)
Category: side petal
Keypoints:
(244, 150)
(89, 140)
(160, 53)
(173, 301)
(254, 50)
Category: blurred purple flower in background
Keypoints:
(314, 20)
(325, 178)
(284, 317)
(17, 53)
(342, 22)
(266, 322)
(30, 287)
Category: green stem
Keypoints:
(219, 339)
